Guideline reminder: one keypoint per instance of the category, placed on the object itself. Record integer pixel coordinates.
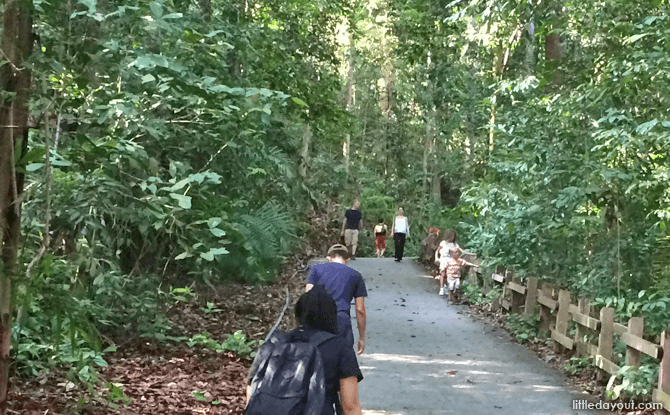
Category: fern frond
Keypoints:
(267, 230)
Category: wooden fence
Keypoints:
(557, 311)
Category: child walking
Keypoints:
(380, 237)
(442, 255)
(452, 272)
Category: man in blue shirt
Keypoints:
(344, 284)
(352, 223)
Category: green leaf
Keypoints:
(214, 33)
(91, 4)
(179, 185)
(148, 78)
(184, 201)
(156, 9)
(183, 255)
(217, 232)
(100, 361)
(213, 222)
(644, 128)
(61, 163)
(199, 396)
(34, 166)
(209, 256)
(173, 16)
(635, 38)
(662, 225)
(299, 101)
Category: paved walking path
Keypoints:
(424, 356)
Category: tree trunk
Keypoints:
(351, 80)
(304, 152)
(553, 51)
(16, 44)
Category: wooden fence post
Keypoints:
(506, 299)
(606, 337)
(517, 297)
(636, 328)
(545, 314)
(584, 308)
(531, 296)
(562, 320)
(662, 394)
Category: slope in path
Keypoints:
(424, 356)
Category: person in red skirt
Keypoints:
(380, 238)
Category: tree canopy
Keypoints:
(167, 142)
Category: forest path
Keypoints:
(425, 356)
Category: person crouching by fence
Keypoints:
(380, 237)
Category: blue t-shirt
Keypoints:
(343, 283)
(353, 218)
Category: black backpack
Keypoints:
(290, 377)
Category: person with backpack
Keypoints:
(380, 237)
(344, 284)
(302, 372)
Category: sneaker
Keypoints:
(442, 291)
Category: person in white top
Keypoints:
(442, 255)
(400, 232)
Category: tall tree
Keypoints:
(16, 44)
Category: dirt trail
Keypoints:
(424, 356)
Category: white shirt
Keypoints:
(444, 249)
(400, 225)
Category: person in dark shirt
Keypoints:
(316, 311)
(344, 284)
(352, 223)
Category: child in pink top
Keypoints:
(452, 271)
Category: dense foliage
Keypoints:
(177, 141)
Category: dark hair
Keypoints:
(450, 235)
(381, 220)
(316, 309)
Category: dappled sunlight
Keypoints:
(426, 360)
(426, 276)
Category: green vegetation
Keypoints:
(523, 326)
(578, 364)
(474, 294)
(173, 143)
(633, 382)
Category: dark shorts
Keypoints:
(348, 334)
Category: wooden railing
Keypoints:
(556, 312)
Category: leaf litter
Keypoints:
(173, 378)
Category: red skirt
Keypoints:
(380, 242)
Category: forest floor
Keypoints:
(175, 379)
